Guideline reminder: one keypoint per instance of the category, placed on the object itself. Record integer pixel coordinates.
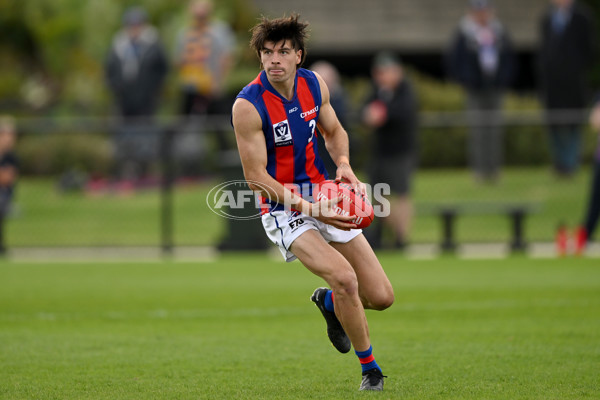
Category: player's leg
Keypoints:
(346, 322)
(374, 287)
(324, 261)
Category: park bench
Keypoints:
(449, 213)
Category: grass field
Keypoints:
(242, 327)
(48, 218)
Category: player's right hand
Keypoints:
(324, 211)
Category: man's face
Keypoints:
(7, 139)
(482, 16)
(134, 31)
(280, 60)
(201, 12)
(388, 76)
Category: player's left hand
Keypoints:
(344, 173)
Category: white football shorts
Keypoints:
(283, 227)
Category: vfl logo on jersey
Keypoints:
(283, 136)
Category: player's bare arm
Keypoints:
(336, 138)
(253, 153)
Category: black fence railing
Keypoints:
(171, 214)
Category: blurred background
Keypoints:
(121, 112)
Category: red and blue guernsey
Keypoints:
(290, 129)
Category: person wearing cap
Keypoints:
(566, 54)
(136, 68)
(390, 112)
(481, 59)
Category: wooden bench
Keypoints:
(449, 212)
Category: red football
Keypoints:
(350, 204)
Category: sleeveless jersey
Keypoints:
(290, 129)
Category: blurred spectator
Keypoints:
(586, 232)
(136, 68)
(8, 171)
(566, 53)
(339, 103)
(481, 59)
(204, 55)
(391, 112)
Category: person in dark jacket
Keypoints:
(391, 113)
(565, 55)
(136, 68)
(481, 59)
(9, 170)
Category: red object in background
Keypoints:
(562, 241)
(580, 240)
(350, 203)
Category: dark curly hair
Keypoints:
(276, 30)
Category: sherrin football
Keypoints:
(350, 204)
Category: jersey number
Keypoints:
(312, 125)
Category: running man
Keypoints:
(275, 119)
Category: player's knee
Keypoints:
(384, 302)
(345, 283)
(384, 299)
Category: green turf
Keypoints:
(557, 201)
(242, 327)
(48, 218)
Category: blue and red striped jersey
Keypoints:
(290, 129)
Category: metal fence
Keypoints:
(80, 201)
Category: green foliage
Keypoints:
(435, 95)
(59, 47)
(442, 147)
(52, 53)
(53, 154)
(524, 144)
(10, 83)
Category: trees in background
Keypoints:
(52, 51)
